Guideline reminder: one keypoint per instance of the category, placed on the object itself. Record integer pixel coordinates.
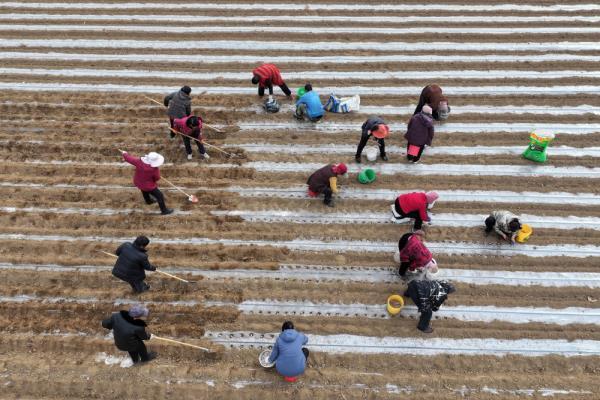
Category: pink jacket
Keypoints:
(416, 253)
(415, 201)
(179, 124)
(145, 177)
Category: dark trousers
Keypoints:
(284, 88)
(413, 214)
(141, 353)
(328, 193)
(302, 113)
(425, 317)
(363, 142)
(306, 352)
(138, 286)
(188, 145)
(171, 122)
(157, 194)
(417, 157)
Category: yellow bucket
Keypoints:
(394, 304)
(524, 233)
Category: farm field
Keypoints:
(75, 77)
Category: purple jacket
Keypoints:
(420, 130)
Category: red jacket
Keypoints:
(179, 124)
(415, 253)
(268, 74)
(145, 177)
(415, 201)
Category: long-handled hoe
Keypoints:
(207, 125)
(191, 197)
(157, 270)
(206, 144)
(178, 342)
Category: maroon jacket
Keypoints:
(415, 253)
(268, 73)
(145, 177)
(319, 180)
(420, 130)
(415, 201)
(180, 125)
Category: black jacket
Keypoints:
(371, 123)
(131, 263)
(178, 104)
(128, 332)
(429, 295)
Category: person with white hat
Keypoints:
(146, 176)
(129, 332)
(374, 126)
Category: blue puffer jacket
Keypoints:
(313, 104)
(287, 353)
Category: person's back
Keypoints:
(131, 262)
(420, 130)
(319, 180)
(127, 332)
(289, 358)
(314, 107)
(179, 104)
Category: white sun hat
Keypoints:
(153, 159)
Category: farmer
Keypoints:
(414, 257)
(324, 180)
(129, 332)
(432, 95)
(179, 105)
(132, 264)
(288, 354)
(428, 296)
(309, 105)
(418, 134)
(414, 205)
(146, 176)
(266, 76)
(505, 223)
(191, 127)
(374, 126)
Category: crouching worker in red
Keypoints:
(146, 176)
(129, 332)
(413, 205)
(428, 296)
(266, 76)
(191, 127)
(324, 181)
(414, 257)
(288, 353)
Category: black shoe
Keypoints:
(151, 356)
(357, 159)
(167, 211)
(427, 330)
(171, 135)
(384, 157)
(330, 204)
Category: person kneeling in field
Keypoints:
(324, 181)
(288, 353)
(191, 127)
(309, 106)
(414, 205)
(132, 264)
(505, 223)
(414, 257)
(428, 296)
(129, 332)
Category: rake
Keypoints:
(207, 125)
(191, 197)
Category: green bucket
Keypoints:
(300, 92)
(367, 176)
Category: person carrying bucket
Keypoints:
(432, 95)
(324, 180)
(428, 296)
(504, 223)
(191, 127)
(309, 105)
(414, 257)
(266, 76)
(373, 126)
(413, 205)
(179, 105)
(419, 134)
(146, 176)
(289, 353)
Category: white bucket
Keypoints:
(263, 359)
(372, 153)
(397, 257)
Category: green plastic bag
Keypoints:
(538, 143)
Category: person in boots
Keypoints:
(146, 176)
(504, 223)
(432, 95)
(129, 332)
(132, 264)
(324, 180)
(414, 257)
(191, 127)
(179, 105)
(309, 106)
(266, 76)
(374, 126)
(419, 133)
(413, 205)
(288, 353)
(428, 296)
